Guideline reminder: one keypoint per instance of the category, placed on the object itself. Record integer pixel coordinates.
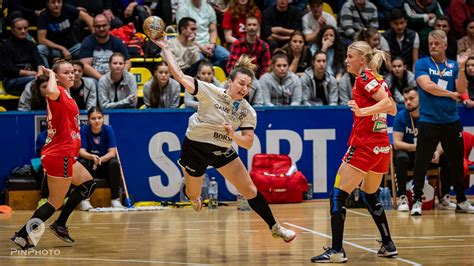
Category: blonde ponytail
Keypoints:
(375, 57)
(245, 66)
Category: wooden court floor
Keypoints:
(230, 237)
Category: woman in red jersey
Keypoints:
(58, 158)
(368, 156)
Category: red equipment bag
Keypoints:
(268, 175)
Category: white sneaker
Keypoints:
(86, 205)
(465, 207)
(403, 204)
(115, 203)
(280, 231)
(416, 208)
(446, 203)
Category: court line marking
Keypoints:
(99, 259)
(359, 213)
(350, 243)
(449, 246)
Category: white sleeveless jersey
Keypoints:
(216, 107)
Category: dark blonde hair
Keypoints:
(58, 63)
(245, 66)
(374, 57)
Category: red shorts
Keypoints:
(58, 166)
(369, 158)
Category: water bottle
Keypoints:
(308, 195)
(182, 197)
(388, 199)
(213, 190)
(356, 194)
(242, 203)
(205, 187)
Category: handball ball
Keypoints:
(154, 27)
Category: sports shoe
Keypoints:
(41, 202)
(464, 207)
(403, 204)
(416, 208)
(387, 250)
(86, 205)
(115, 203)
(197, 204)
(446, 204)
(280, 231)
(62, 232)
(330, 255)
(22, 242)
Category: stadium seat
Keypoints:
(142, 75)
(219, 74)
(328, 9)
(4, 95)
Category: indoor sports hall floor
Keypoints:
(230, 237)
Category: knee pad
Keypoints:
(87, 188)
(372, 203)
(337, 199)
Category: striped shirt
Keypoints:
(351, 22)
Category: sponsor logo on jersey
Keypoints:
(385, 149)
(222, 108)
(448, 73)
(371, 85)
(222, 137)
(380, 122)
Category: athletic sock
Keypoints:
(74, 199)
(378, 214)
(338, 216)
(43, 213)
(260, 206)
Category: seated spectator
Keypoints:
(316, 19)
(442, 23)
(97, 48)
(55, 31)
(299, 4)
(98, 155)
(374, 39)
(253, 46)
(298, 53)
(117, 88)
(280, 86)
(459, 11)
(278, 23)
(97, 7)
(132, 11)
(345, 88)
(421, 19)
(206, 33)
(357, 15)
(235, 17)
(205, 73)
(161, 91)
(329, 42)
(405, 131)
(30, 10)
(399, 79)
(319, 87)
(184, 47)
(33, 97)
(21, 61)
(467, 41)
(84, 91)
(402, 41)
(468, 96)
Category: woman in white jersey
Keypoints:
(211, 131)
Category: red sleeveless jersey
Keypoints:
(64, 137)
(368, 129)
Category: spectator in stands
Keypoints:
(184, 47)
(97, 48)
(84, 90)
(30, 10)
(299, 4)
(253, 46)
(132, 11)
(405, 132)
(356, 15)
(421, 18)
(442, 23)
(329, 42)
(161, 91)
(98, 155)
(97, 7)
(278, 23)
(298, 53)
(117, 88)
(468, 96)
(345, 88)
(402, 41)
(374, 39)
(399, 79)
(280, 86)
(467, 42)
(235, 18)
(460, 11)
(313, 21)
(205, 73)
(318, 86)
(33, 97)
(55, 31)
(20, 58)
(206, 33)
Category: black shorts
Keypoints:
(197, 156)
